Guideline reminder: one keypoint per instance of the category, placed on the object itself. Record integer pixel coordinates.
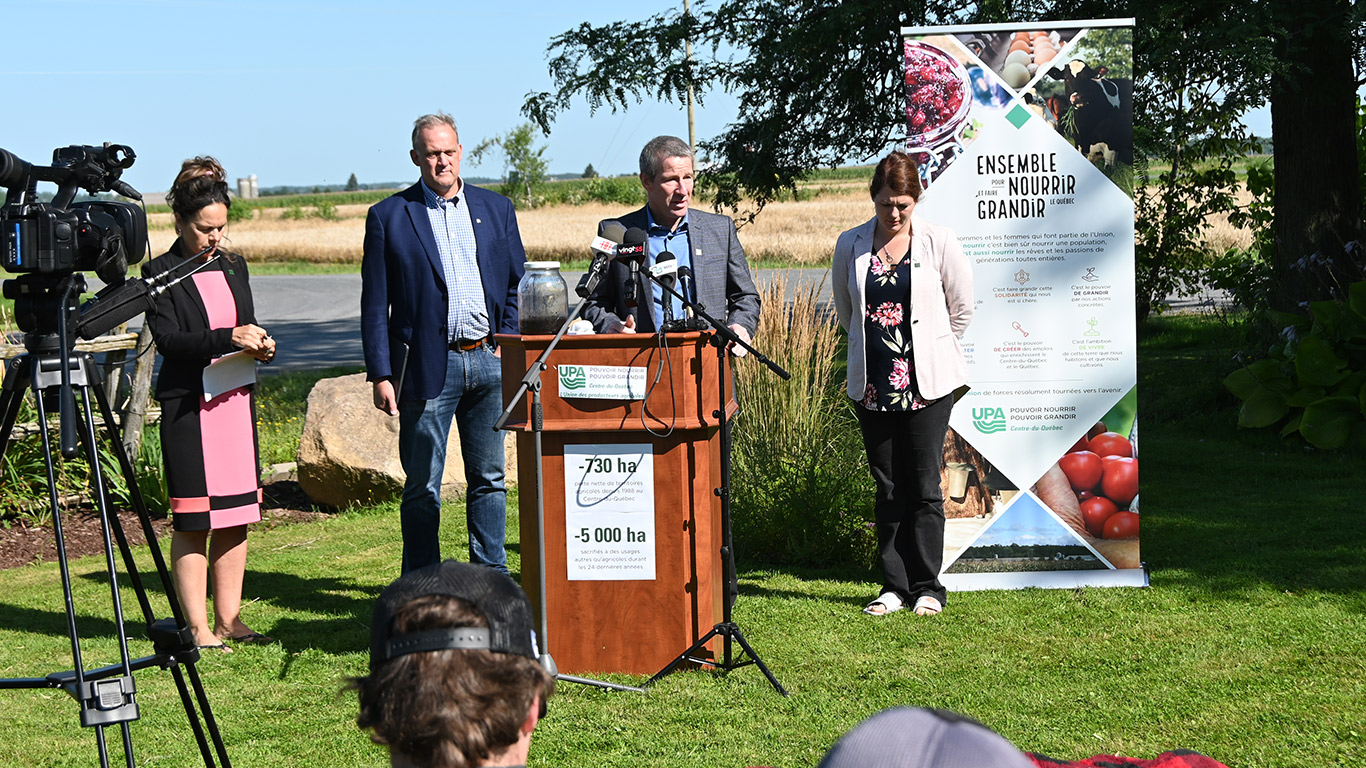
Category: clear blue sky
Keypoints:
(303, 93)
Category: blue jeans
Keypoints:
(473, 395)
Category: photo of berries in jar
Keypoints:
(937, 98)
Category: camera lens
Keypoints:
(12, 169)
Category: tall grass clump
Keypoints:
(799, 487)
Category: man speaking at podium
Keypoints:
(705, 243)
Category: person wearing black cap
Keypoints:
(455, 678)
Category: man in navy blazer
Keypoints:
(438, 279)
(706, 243)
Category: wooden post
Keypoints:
(113, 370)
(135, 415)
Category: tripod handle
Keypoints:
(67, 411)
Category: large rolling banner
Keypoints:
(1025, 137)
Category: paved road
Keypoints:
(316, 318)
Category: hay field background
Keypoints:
(799, 232)
(790, 232)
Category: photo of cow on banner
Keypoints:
(1032, 128)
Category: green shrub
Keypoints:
(801, 493)
(294, 212)
(239, 212)
(149, 471)
(1314, 380)
(23, 476)
(326, 210)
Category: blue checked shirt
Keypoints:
(675, 242)
(466, 313)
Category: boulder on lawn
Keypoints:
(348, 453)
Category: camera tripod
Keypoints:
(54, 372)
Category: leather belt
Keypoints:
(467, 345)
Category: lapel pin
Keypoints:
(478, 221)
(697, 251)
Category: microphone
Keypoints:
(613, 230)
(685, 287)
(664, 270)
(604, 251)
(116, 304)
(633, 249)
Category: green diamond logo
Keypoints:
(1018, 116)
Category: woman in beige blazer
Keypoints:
(903, 292)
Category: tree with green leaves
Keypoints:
(352, 184)
(1187, 123)
(589, 172)
(524, 164)
(819, 83)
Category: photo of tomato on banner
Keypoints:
(1102, 471)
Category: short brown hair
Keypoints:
(899, 174)
(431, 121)
(450, 708)
(659, 149)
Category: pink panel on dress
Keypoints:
(225, 423)
(217, 297)
(191, 504)
(229, 518)
(229, 447)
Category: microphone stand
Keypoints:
(727, 629)
(532, 381)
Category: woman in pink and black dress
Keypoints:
(209, 447)
(903, 290)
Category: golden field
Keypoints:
(799, 233)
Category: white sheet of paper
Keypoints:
(229, 372)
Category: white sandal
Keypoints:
(925, 605)
(890, 602)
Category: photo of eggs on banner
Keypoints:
(1017, 57)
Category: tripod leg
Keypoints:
(11, 395)
(209, 722)
(192, 714)
(684, 656)
(140, 507)
(172, 641)
(758, 662)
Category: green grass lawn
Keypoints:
(1248, 646)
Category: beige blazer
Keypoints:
(941, 304)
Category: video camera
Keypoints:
(61, 237)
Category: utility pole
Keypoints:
(687, 53)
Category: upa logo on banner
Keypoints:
(989, 421)
(572, 377)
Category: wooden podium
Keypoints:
(632, 626)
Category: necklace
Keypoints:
(887, 259)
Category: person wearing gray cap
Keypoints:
(455, 678)
(910, 737)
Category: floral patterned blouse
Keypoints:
(887, 328)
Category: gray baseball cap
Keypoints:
(910, 737)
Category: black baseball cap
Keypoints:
(491, 592)
(910, 737)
